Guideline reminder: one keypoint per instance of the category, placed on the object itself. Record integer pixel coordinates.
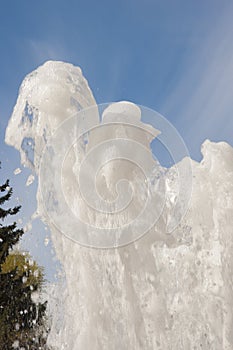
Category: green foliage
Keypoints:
(25, 267)
(22, 314)
(9, 234)
(21, 318)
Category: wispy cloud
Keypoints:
(43, 50)
(203, 98)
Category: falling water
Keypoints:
(146, 267)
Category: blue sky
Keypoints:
(173, 56)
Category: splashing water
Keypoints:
(165, 273)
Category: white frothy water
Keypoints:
(163, 291)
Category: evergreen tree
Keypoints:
(9, 234)
(22, 319)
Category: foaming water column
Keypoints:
(163, 289)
